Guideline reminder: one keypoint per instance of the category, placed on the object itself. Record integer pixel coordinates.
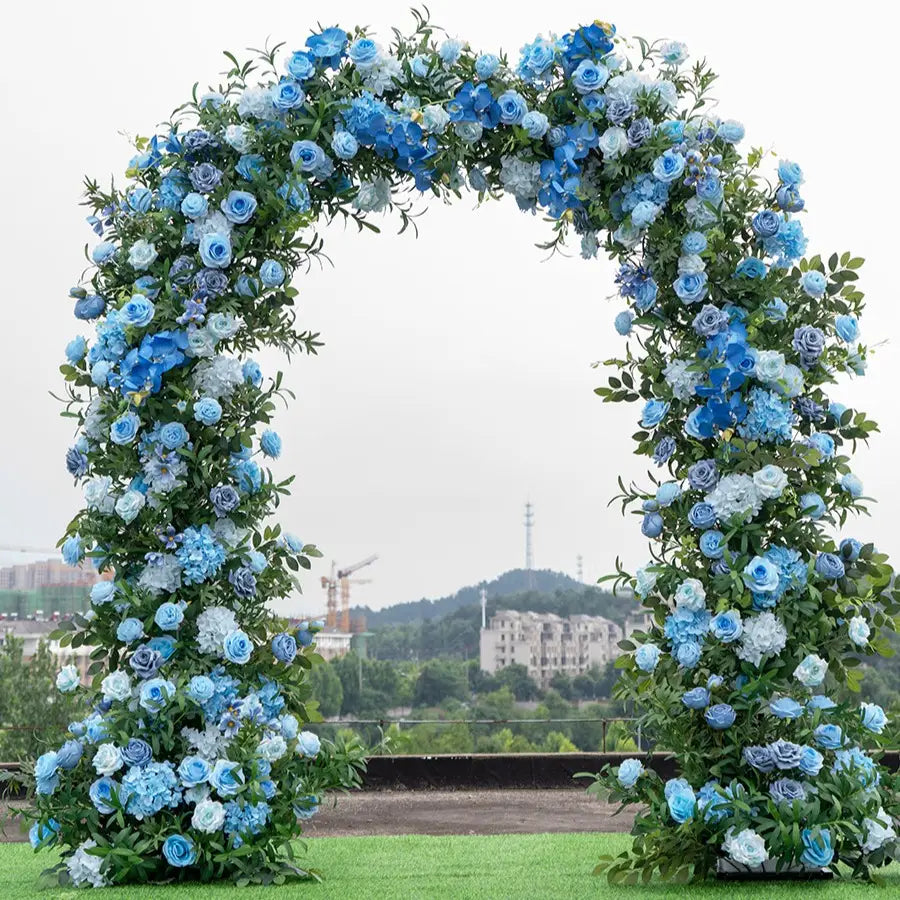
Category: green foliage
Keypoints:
(32, 711)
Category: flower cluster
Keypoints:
(194, 738)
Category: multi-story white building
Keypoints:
(546, 643)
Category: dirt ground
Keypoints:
(446, 812)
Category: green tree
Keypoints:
(29, 698)
(562, 684)
(517, 679)
(327, 689)
(440, 679)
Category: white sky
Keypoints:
(456, 379)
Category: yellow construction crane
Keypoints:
(342, 577)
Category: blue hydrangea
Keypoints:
(200, 554)
(769, 418)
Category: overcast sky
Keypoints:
(456, 379)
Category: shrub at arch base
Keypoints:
(191, 761)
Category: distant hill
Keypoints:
(456, 633)
(513, 582)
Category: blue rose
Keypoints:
(696, 698)
(589, 76)
(307, 155)
(179, 851)
(173, 435)
(308, 744)
(69, 754)
(668, 167)
(270, 443)
(137, 752)
(760, 758)
(813, 283)
(102, 252)
(667, 493)
(215, 250)
(284, 647)
(688, 654)
(125, 428)
(810, 761)
(41, 834)
(850, 549)
(852, 484)
(226, 777)
(194, 205)
(101, 793)
(76, 349)
(193, 770)
(287, 95)
(847, 328)
(761, 576)
(646, 657)
(726, 626)
(239, 206)
(785, 708)
(207, 410)
(751, 268)
(652, 525)
(690, 287)
(156, 694)
(785, 754)
(363, 52)
(629, 771)
(299, 65)
(46, 773)
(812, 505)
(789, 172)
(682, 805)
(711, 544)
(720, 716)
(703, 475)
(168, 616)
(817, 849)
(872, 715)
(694, 243)
(145, 662)
(767, 223)
(512, 108)
(272, 273)
(130, 630)
(344, 145)
(201, 689)
(654, 412)
(702, 515)
(830, 566)
(623, 322)
(486, 65)
(238, 647)
(90, 307)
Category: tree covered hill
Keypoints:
(456, 634)
(512, 582)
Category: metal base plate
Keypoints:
(726, 870)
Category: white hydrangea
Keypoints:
(878, 831)
(691, 264)
(95, 422)
(212, 223)
(218, 377)
(763, 634)
(735, 497)
(214, 624)
(435, 118)
(237, 136)
(209, 743)
(520, 178)
(680, 379)
(161, 575)
(228, 533)
(84, 867)
(98, 495)
(373, 196)
(383, 75)
(256, 102)
(625, 86)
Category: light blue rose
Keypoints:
(76, 349)
(138, 311)
(271, 273)
(238, 647)
(629, 771)
(812, 505)
(201, 689)
(194, 205)
(667, 493)
(130, 630)
(852, 485)
(215, 250)
(873, 717)
(813, 283)
(696, 698)
(308, 744)
(168, 616)
(847, 328)
(124, 430)
(486, 65)
(726, 626)
(536, 124)
(654, 412)
(646, 657)
(589, 76)
(761, 576)
(720, 716)
(227, 778)
(344, 145)
(512, 108)
(690, 287)
(207, 410)
(239, 207)
(179, 851)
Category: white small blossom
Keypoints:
(680, 379)
(735, 497)
(373, 196)
(214, 624)
(762, 635)
(520, 178)
(218, 377)
(84, 867)
(256, 102)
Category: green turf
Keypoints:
(414, 867)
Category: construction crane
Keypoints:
(342, 577)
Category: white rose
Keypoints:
(116, 686)
(690, 595)
(209, 816)
(613, 142)
(129, 505)
(141, 255)
(770, 482)
(107, 759)
(811, 671)
(746, 848)
(770, 365)
(67, 679)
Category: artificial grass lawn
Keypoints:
(416, 867)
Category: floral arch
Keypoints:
(191, 761)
